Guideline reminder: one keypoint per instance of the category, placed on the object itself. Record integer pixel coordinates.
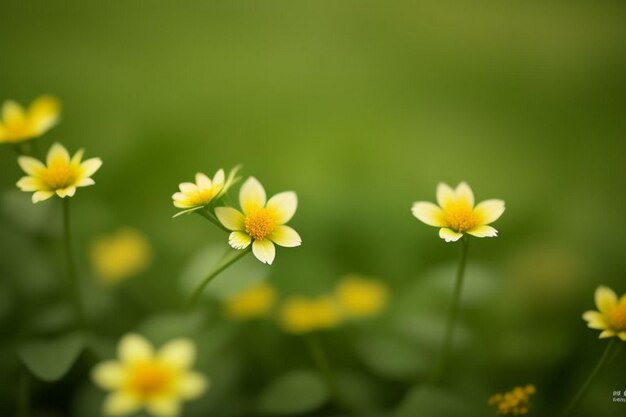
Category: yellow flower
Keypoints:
(303, 315)
(141, 377)
(456, 214)
(120, 255)
(254, 302)
(18, 125)
(514, 402)
(361, 297)
(60, 175)
(194, 196)
(611, 314)
(262, 222)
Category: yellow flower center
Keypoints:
(149, 378)
(617, 317)
(460, 217)
(260, 223)
(59, 175)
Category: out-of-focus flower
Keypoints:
(262, 222)
(611, 314)
(18, 124)
(60, 175)
(456, 214)
(254, 302)
(142, 378)
(120, 255)
(205, 190)
(514, 402)
(361, 297)
(303, 315)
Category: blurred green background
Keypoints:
(361, 108)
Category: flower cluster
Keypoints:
(514, 402)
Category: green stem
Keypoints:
(210, 217)
(585, 387)
(195, 295)
(23, 394)
(72, 281)
(453, 313)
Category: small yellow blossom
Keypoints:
(303, 315)
(361, 297)
(194, 196)
(61, 175)
(121, 255)
(262, 222)
(611, 314)
(514, 402)
(18, 124)
(457, 215)
(144, 378)
(254, 302)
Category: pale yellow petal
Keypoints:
(57, 154)
(66, 192)
(179, 353)
(483, 231)
(108, 375)
(606, 333)
(30, 184)
(285, 236)
(43, 114)
(218, 178)
(78, 156)
(202, 181)
(252, 195)
(428, 213)
(264, 251)
(13, 114)
(42, 195)
(232, 178)
(489, 211)
(85, 182)
(596, 320)
(192, 385)
(284, 205)
(239, 240)
(120, 404)
(134, 347)
(164, 407)
(464, 194)
(449, 235)
(622, 335)
(31, 166)
(188, 187)
(605, 299)
(445, 195)
(90, 166)
(229, 217)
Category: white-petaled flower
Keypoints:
(193, 196)
(19, 124)
(457, 215)
(262, 222)
(60, 175)
(144, 378)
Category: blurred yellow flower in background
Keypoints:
(611, 314)
(262, 222)
(514, 402)
(193, 196)
(144, 378)
(303, 315)
(456, 214)
(120, 255)
(61, 175)
(254, 302)
(19, 124)
(359, 296)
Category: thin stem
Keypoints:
(195, 295)
(453, 313)
(583, 389)
(23, 394)
(210, 217)
(72, 282)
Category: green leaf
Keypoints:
(166, 326)
(430, 401)
(51, 359)
(296, 392)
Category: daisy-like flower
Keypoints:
(456, 214)
(611, 314)
(19, 124)
(514, 402)
(192, 196)
(262, 222)
(142, 378)
(60, 175)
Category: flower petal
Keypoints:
(252, 195)
(606, 299)
(596, 320)
(428, 213)
(30, 184)
(239, 240)
(43, 114)
(218, 178)
(31, 166)
(57, 154)
(192, 385)
(42, 195)
(134, 347)
(606, 333)
(78, 156)
(188, 187)
(449, 235)
(231, 219)
(285, 236)
(202, 181)
(108, 375)
(483, 231)
(445, 195)
(284, 205)
(464, 194)
(90, 166)
(264, 250)
(164, 407)
(120, 403)
(622, 335)
(66, 192)
(179, 353)
(489, 210)
(13, 114)
(85, 182)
